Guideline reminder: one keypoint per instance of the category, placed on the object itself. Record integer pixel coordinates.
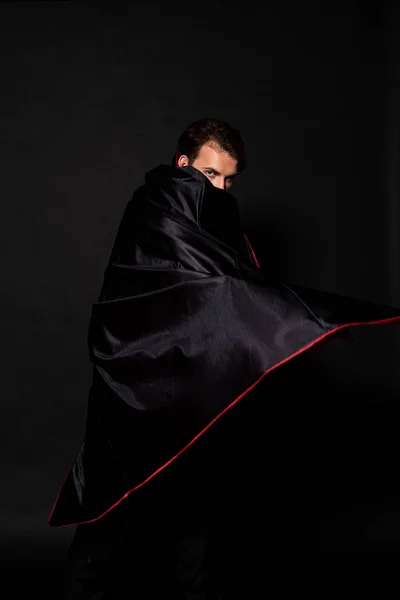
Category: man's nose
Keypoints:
(220, 183)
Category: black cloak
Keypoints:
(185, 326)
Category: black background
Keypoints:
(94, 94)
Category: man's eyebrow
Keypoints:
(218, 173)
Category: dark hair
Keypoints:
(205, 131)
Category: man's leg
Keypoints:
(92, 558)
(193, 569)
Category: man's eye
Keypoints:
(210, 173)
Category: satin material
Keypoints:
(184, 326)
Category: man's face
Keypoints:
(216, 164)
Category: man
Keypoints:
(183, 334)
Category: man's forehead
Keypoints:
(213, 156)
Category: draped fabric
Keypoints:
(186, 325)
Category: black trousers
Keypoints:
(111, 559)
(191, 533)
(161, 542)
